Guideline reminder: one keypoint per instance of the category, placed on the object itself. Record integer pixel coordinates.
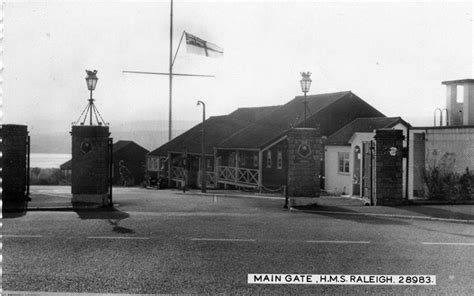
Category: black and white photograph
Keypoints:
(237, 147)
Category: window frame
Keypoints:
(269, 159)
(343, 163)
(279, 159)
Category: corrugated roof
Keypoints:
(281, 119)
(361, 125)
(217, 128)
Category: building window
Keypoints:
(343, 162)
(279, 160)
(459, 94)
(242, 160)
(156, 166)
(269, 159)
(150, 163)
(255, 161)
(208, 164)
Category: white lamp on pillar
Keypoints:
(305, 85)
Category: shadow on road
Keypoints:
(14, 209)
(111, 214)
(120, 229)
(326, 211)
(440, 213)
(437, 230)
(106, 213)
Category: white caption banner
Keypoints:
(341, 279)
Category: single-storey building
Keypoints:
(254, 153)
(257, 156)
(133, 157)
(349, 152)
(65, 172)
(183, 153)
(361, 152)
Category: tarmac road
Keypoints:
(157, 242)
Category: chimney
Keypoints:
(460, 102)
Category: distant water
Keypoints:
(48, 160)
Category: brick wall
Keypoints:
(389, 167)
(13, 161)
(90, 160)
(304, 169)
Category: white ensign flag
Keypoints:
(196, 45)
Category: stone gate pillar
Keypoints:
(90, 164)
(14, 166)
(304, 154)
(389, 167)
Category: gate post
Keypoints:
(111, 170)
(90, 164)
(389, 167)
(28, 163)
(304, 159)
(14, 173)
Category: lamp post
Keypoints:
(91, 80)
(305, 84)
(203, 155)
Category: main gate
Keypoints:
(368, 159)
(111, 170)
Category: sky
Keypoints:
(394, 55)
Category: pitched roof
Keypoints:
(252, 114)
(119, 145)
(361, 125)
(281, 119)
(216, 129)
(122, 144)
(67, 165)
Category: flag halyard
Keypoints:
(199, 46)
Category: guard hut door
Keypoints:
(356, 176)
(111, 170)
(368, 159)
(28, 163)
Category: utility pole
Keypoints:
(170, 126)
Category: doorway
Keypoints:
(368, 158)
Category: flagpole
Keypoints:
(170, 74)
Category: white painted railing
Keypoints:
(177, 173)
(237, 176)
(210, 179)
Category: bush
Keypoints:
(444, 184)
(44, 176)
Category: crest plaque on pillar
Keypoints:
(86, 146)
(393, 151)
(304, 150)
